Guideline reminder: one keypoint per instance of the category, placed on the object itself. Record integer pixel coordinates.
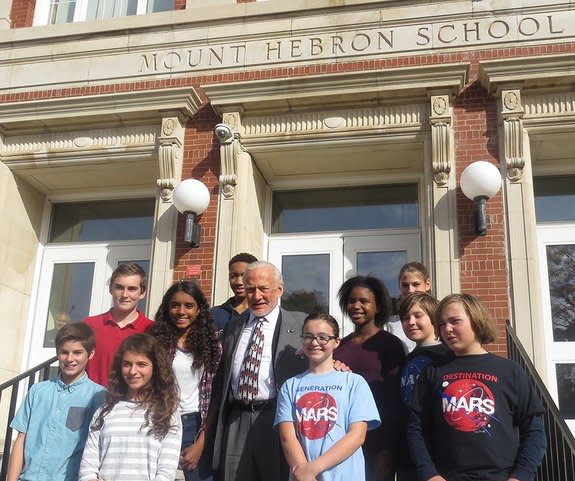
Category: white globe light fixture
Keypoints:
(191, 197)
(480, 181)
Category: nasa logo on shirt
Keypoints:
(468, 405)
(316, 414)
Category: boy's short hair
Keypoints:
(427, 302)
(130, 269)
(76, 331)
(242, 257)
(481, 321)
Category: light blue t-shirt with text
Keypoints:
(322, 408)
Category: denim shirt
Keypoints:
(55, 418)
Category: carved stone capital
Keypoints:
(441, 121)
(229, 153)
(511, 101)
(233, 120)
(512, 115)
(170, 155)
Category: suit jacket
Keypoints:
(286, 364)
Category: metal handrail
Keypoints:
(41, 372)
(559, 460)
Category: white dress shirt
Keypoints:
(266, 378)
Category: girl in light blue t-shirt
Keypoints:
(323, 414)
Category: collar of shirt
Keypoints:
(271, 317)
(62, 386)
(110, 320)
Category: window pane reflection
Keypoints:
(376, 207)
(70, 295)
(306, 283)
(561, 270)
(383, 265)
(160, 5)
(62, 11)
(566, 389)
(554, 198)
(111, 8)
(102, 221)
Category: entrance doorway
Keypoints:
(557, 254)
(322, 237)
(315, 265)
(85, 243)
(74, 284)
(554, 197)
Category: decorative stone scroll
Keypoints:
(512, 115)
(441, 121)
(229, 153)
(169, 155)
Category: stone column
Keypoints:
(241, 203)
(442, 192)
(229, 137)
(521, 226)
(170, 143)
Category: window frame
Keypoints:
(42, 11)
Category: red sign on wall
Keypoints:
(194, 270)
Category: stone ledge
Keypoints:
(104, 109)
(528, 72)
(321, 90)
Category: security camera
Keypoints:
(224, 133)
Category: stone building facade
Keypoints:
(349, 126)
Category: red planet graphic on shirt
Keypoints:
(468, 405)
(316, 414)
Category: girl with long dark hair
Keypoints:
(185, 327)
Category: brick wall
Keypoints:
(202, 162)
(483, 264)
(22, 13)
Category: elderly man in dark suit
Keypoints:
(259, 354)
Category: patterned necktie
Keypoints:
(249, 371)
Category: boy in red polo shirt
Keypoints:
(127, 287)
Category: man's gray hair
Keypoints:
(268, 265)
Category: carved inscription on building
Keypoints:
(403, 39)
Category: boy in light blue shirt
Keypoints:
(54, 418)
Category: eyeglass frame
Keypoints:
(309, 338)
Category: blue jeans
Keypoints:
(203, 472)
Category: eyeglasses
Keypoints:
(320, 338)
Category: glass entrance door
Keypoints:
(315, 266)
(73, 284)
(557, 255)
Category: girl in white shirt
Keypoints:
(185, 326)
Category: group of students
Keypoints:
(465, 414)
(365, 409)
